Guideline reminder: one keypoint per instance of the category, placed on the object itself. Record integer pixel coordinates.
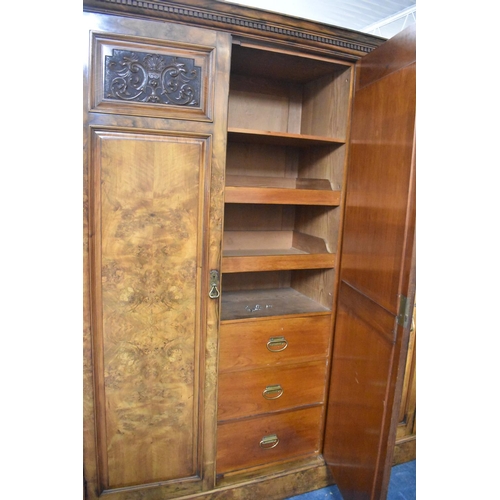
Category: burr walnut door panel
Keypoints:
(152, 324)
(154, 176)
(148, 212)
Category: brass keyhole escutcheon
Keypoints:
(214, 284)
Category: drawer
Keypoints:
(268, 439)
(250, 344)
(251, 392)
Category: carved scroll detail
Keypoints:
(152, 78)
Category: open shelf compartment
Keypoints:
(278, 293)
(266, 237)
(266, 303)
(295, 172)
(288, 94)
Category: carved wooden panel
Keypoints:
(136, 78)
(149, 77)
(147, 208)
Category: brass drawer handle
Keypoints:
(277, 344)
(269, 442)
(271, 390)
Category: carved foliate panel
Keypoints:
(153, 78)
(167, 80)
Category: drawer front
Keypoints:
(251, 392)
(268, 439)
(250, 344)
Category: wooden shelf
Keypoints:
(280, 191)
(282, 262)
(253, 251)
(265, 303)
(280, 138)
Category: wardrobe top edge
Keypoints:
(247, 22)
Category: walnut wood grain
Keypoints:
(149, 274)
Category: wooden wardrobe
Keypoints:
(249, 194)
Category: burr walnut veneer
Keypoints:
(249, 258)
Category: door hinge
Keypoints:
(403, 318)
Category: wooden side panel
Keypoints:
(377, 269)
(326, 105)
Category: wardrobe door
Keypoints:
(377, 273)
(155, 122)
